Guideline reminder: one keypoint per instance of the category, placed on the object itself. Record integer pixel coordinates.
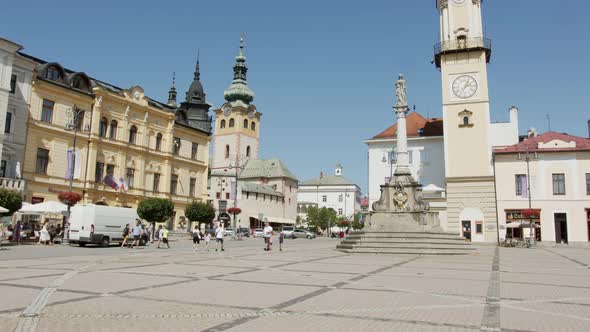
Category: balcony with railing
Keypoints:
(13, 184)
(462, 45)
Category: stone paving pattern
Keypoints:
(307, 287)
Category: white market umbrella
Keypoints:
(45, 207)
(3, 210)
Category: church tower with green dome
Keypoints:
(237, 122)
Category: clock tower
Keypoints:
(237, 122)
(462, 57)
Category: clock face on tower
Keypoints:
(226, 109)
(464, 86)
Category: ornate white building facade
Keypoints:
(16, 73)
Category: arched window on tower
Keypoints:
(113, 130)
(159, 142)
(102, 127)
(227, 152)
(222, 124)
(465, 120)
(246, 123)
(253, 126)
(248, 151)
(232, 122)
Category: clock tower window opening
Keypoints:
(248, 151)
(227, 152)
(231, 123)
(246, 123)
(222, 124)
(253, 126)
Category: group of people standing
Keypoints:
(44, 234)
(137, 231)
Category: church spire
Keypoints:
(239, 89)
(196, 93)
(172, 92)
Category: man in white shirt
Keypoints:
(219, 232)
(267, 231)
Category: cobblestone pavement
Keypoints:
(307, 287)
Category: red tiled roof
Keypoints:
(414, 123)
(365, 202)
(532, 144)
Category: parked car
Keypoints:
(228, 232)
(302, 233)
(244, 231)
(288, 231)
(258, 232)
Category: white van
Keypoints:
(288, 230)
(97, 224)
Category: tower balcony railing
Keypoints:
(462, 45)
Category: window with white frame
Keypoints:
(324, 198)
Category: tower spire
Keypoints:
(172, 91)
(239, 89)
(196, 93)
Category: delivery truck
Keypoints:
(102, 225)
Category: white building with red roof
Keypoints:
(425, 149)
(559, 176)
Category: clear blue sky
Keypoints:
(323, 71)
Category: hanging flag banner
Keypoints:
(74, 167)
(232, 193)
(110, 181)
(122, 185)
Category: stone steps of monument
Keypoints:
(405, 246)
(403, 235)
(407, 251)
(455, 242)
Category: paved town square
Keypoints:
(307, 287)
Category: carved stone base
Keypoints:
(404, 222)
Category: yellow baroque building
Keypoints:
(155, 149)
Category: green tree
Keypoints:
(155, 210)
(11, 200)
(356, 223)
(200, 212)
(322, 218)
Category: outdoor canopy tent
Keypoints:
(3, 210)
(45, 207)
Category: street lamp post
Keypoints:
(238, 167)
(76, 123)
(527, 159)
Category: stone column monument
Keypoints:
(401, 221)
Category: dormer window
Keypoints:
(466, 119)
(52, 73)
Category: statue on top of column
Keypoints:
(400, 92)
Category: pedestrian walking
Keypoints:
(219, 237)
(137, 230)
(2, 234)
(150, 231)
(44, 237)
(267, 233)
(17, 230)
(196, 238)
(164, 237)
(281, 240)
(159, 234)
(126, 232)
(207, 240)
